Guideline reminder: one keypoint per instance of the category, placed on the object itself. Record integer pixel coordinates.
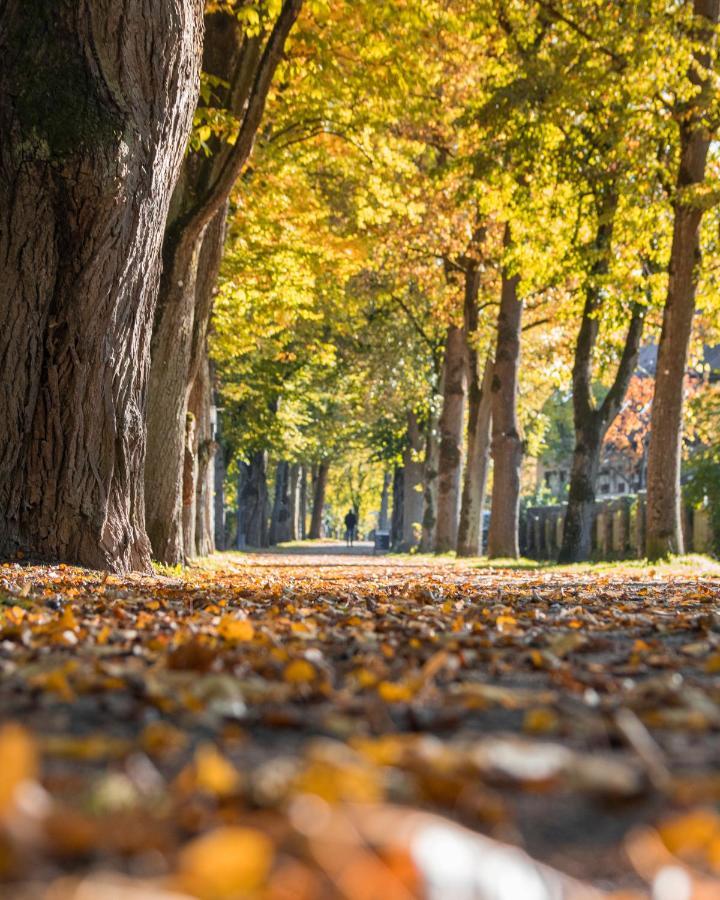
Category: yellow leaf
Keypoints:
(541, 720)
(226, 862)
(235, 631)
(505, 623)
(210, 772)
(299, 671)
(395, 692)
(18, 763)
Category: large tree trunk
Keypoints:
(97, 107)
(320, 475)
(398, 508)
(303, 502)
(255, 501)
(470, 529)
(664, 529)
(506, 446)
(412, 484)
(469, 541)
(591, 422)
(279, 520)
(294, 502)
(198, 215)
(451, 440)
(240, 527)
(384, 502)
(189, 496)
(430, 484)
(210, 459)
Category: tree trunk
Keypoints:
(294, 502)
(469, 541)
(189, 495)
(451, 440)
(664, 529)
(243, 471)
(303, 502)
(398, 508)
(470, 529)
(412, 485)
(279, 521)
(320, 475)
(591, 422)
(430, 489)
(506, 446)
(198, 476)
(255, 502)
(384, 502)
(198, 215)
(97, 107)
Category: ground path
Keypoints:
(574, 714)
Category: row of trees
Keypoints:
(434, 189)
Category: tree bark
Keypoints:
(506, 446)
(398, 508)
(199, 214)
(412, 484)
(189, 495)
(97, 106)
(240, 527)
(469, 541)
(294, 502)
(664, 521)
(280, 519)
(320, 475)
(430, 484)
(591, 422)
(303, 502)
(451, 440)
(470, 529)
(255, 501)
(384, 502)
(200, 406)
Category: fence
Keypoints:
(618, 529)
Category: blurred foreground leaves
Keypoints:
(268, 732)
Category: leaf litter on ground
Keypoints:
(279, 730)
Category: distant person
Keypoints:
(350, 526)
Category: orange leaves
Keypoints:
(235, 631)
(299, 671)
(225, 863)
(18, 764)
(188, 712)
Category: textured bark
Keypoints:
(591, 422)
(384, 502)
(451, 440)
(190, 471)
(198, 215)
(294, 502)
(255, 502)
(412, 484)
(398, 507)
(506, 446)
(303, 503)
(280, 518)
(207, 452)
(664, 528)
(97, 106)
(470, 529)
(430, 484)
(240, 502)
(320, 475)
(469, 540)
